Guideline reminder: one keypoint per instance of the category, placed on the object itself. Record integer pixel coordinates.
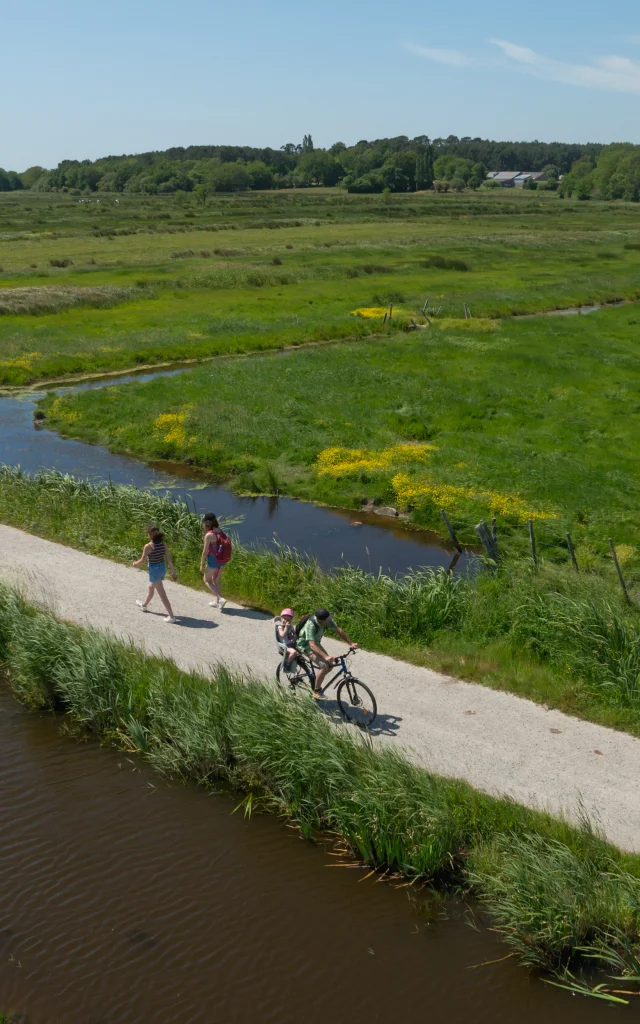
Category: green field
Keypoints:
(151, 279)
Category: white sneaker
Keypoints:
(213, 604)
(170, 618)
(222, 603)
(140, 605)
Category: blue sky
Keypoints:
(84, 81)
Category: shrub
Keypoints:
(60, 263)
(444, 263)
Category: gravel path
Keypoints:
(499, 743)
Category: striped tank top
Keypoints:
(157, 555)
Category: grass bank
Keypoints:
(543, 633)
(555, 893)
(534, 418)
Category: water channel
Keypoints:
(325, 533)
(126, 899)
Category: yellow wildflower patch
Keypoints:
(170, 427)
(24, 362)
(370, 312)
(412, 491)
(340, 461)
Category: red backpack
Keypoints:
(224, 548)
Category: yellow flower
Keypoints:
(370, 312)
(171, 427)
(412, 491)
(340, 461)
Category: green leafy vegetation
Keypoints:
(543, 633)
(550, 889)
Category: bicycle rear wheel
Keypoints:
(298, 674)
(356, 702)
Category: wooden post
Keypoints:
(464, 306)
(452, 532)
(454, 562)
(572, 553)
(532, 538)
(619, 571)
(488, 542)
(494, 529)
(384, 319)
(390, 310)
(425, 307)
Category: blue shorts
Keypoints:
(213, 563)
(157, 572)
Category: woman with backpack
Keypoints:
(216, 553)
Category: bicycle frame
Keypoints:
(342, 670)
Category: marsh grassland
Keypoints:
(520, 419)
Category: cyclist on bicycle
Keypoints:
(309, 642)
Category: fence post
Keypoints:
(619, 571)
(488, 542)
(452, 532)
(532, 538)
(390, 310)
(572, 553)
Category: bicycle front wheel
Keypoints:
(356, 702)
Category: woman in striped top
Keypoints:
(156, 554)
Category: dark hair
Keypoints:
(155, 534)
(210, 518)
(322, 613)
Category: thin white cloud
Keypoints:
(612, 73)
(453, 57)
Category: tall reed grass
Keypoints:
(575, 630)
(551, 890)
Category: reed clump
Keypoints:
(552, 890)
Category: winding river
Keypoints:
(325, 533)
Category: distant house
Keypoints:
(515, 179)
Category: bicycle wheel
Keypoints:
(356, 702)
(298, 674)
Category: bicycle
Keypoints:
(356, 701)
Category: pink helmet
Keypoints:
(286, 611)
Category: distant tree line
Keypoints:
(385, 165)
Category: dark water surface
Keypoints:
(325, 533)
(128, 900)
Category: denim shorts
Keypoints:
(157, 572)
(213, 563)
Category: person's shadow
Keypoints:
(187, 620)
(246, 613)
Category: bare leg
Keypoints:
(321, 675)
(151, 591)
(216, 583)
(207, 578)
(162, 594)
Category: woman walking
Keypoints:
(215, 555)
(156, 554)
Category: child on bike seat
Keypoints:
(286, 637)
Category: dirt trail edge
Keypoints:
(497, 742)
